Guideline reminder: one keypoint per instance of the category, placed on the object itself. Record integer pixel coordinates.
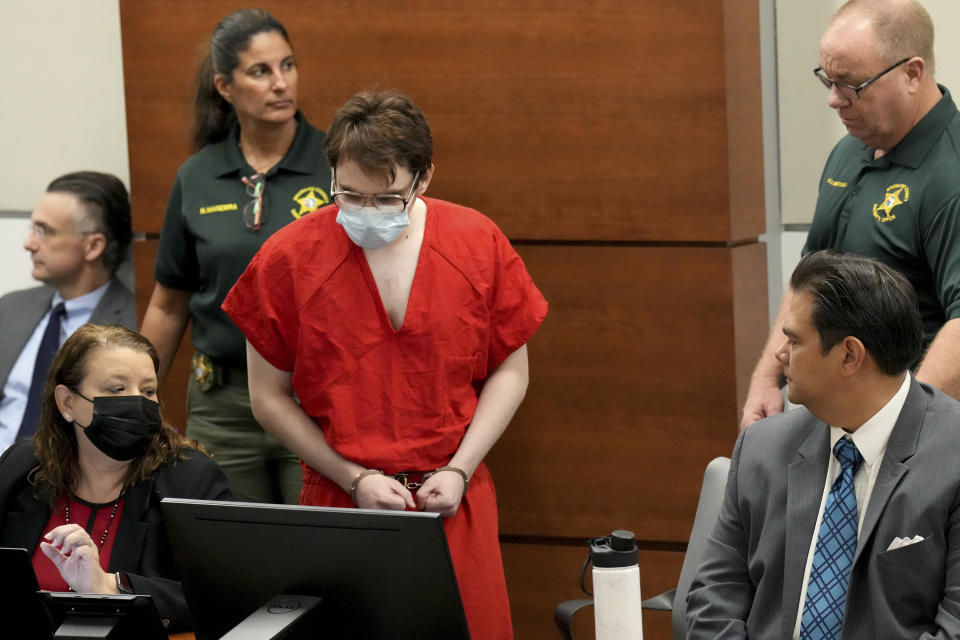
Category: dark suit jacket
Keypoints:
(749, 580)
(20, 311)
(141, 548)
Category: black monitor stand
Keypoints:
(44, 615)
(283, 617)
(84, 627)
(84, 616)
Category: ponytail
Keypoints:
(212, 115)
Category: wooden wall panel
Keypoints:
(564, 120)
(633, 389)
(541, 576)
(619, 141)
(741, 23)
(750, 313)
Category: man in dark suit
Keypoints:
(79, 234)
(840, 518)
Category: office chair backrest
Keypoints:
(711, 497)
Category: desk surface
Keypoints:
(182, 636)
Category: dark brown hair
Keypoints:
(380, 130)
(212, 115)
(55, 443)
(107, 210)
(861, 297)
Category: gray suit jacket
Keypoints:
(749, 580)
(20, 311)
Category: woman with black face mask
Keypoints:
(83, 496)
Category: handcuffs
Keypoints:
(404, 478)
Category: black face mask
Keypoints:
(123, 426)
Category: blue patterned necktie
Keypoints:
(823, 608)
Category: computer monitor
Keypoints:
(378, 574)
(20, 600)
(27, 612)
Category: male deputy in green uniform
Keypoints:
(891, 188)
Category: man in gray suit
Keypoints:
(79, 234)
(840, 518)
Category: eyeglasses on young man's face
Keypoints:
(384, 202)
(849, 91)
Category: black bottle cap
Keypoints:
(619, 549)
(623, 540)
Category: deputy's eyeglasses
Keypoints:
(253, 211)
(384, 202)
(849, 91)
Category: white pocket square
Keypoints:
(903, 542)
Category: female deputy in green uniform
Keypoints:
(258, 166)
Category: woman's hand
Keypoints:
(441, 493)
(77, 558)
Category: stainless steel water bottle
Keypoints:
(616, 587)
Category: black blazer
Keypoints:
(141, 548)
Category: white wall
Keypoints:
(61, 108)
(808, 128)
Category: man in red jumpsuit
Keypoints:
(386, 335)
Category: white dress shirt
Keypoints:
(77, 313)
(871, 441)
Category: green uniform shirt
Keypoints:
(204, 245)
(902, 209)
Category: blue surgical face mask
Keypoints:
(370, 228)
